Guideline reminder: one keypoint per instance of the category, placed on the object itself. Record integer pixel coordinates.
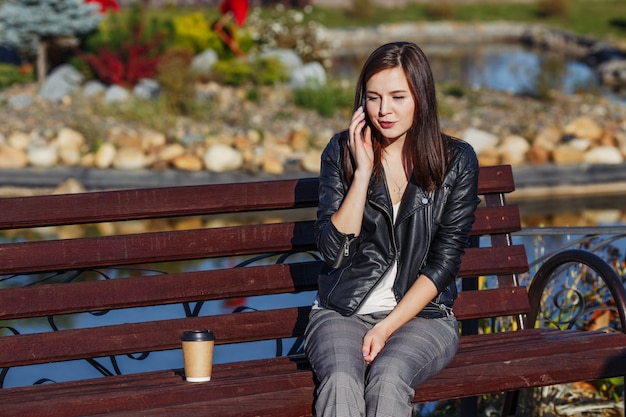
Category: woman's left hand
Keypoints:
(373, 343)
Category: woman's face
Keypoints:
(389, 104)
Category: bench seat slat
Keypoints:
(52, 210)
(228, 328)
(597, 355)
(42, 300)
(51, 299)
(176, 245)
(92, 207)
(154, 247)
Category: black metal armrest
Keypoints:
(599, 265)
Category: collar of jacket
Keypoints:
(414, 197)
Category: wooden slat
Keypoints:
(53, 299)
(228, 328)
(61, 255)
(496, 179)
(148, 336)
(43, 300)
(54, 210)
(491, 303)
(484, 363)
(494, 261)
(21, 212)
(494, 220)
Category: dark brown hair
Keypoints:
(425, 152)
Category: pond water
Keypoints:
(502, 67)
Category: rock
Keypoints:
(311, 161)
(299, 139)
(489, 157)
(289, 59)
(513, 150)
(584, 127)
(567, 155)
(222, 158)
(547, 138)
(93, 88)
(70, 138)
(203, 63)
(188, 163)
(604, 155)
(129, 158)
(105, 156)
(12, 158)
(480, 140)
(310, 75)
(537, 155)
(19, 140)
(60, 83)
(152, 139)
(21, 101)
(69, 156)
(69, 186)
(272, 165)
(582, 144)
(116, 94)
(170, 152)
(42, 156)
(147, 89)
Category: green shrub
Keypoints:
(10, 74)
(260, 71)
(325, 100)
(177, 80)
(194, 32)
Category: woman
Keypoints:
(397, 201)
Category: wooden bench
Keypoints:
(270, 386)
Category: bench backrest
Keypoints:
(242, 238)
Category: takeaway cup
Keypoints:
(198, 354)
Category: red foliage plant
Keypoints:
(105, 5)
(133, 60)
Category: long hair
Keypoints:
(425, 153)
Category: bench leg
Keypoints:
(469, 407)
(511, 399)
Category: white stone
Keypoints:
(116, 94)
(129, 158)
(513, 150)
(70, 156)
(603, 155)
(70, 138)
(105, 156)
(42, 157)
(311, 161)
(222, 158)
(19, 140)
(480, 140)
(310, 75)
(581, 144)
(204, 62)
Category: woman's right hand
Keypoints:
(360, 142)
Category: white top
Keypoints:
(381, 298)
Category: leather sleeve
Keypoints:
(335, 247)
(451, 234)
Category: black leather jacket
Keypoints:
(429, 236)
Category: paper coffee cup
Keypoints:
(198, 354)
